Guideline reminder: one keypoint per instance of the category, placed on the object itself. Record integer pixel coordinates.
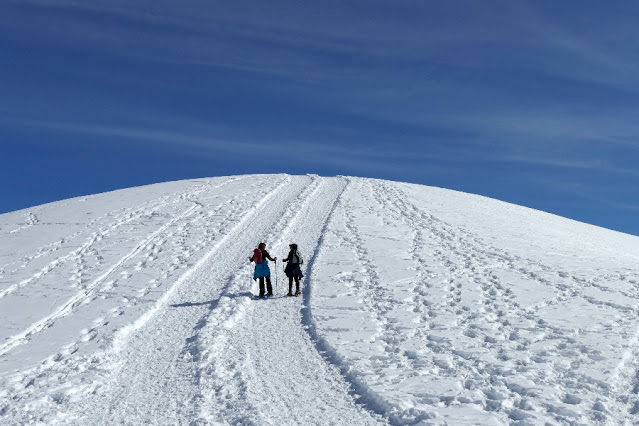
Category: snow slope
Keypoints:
(420, 306)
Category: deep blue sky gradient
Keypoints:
(530, 102)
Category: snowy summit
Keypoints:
(419, 305)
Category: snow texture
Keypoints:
(420, 306)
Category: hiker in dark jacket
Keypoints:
(293, 270)
(261, 268)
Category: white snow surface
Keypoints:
(420, 305)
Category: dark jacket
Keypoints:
(293, 267)
(292, 257)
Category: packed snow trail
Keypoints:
(420, 306)
(265, 367)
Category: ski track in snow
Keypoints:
(88, 290)
(78, 255)
(144, 313)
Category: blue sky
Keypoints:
(530, 102)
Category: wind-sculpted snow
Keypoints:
(420, 306)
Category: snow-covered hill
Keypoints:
(420, 306)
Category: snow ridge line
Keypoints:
(121, 337)
(68, 306)
(361, 393)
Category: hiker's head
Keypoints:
(261, 246)
(293, 247)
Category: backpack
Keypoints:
(257, 256)
(299, 257)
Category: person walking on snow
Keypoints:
(261, 268)
(293, 270)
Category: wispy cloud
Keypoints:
(334, 154)
(599, 195)
(373, 85)
(593, 43)
(145, 134)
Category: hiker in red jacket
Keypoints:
(261, 268)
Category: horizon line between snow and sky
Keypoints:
(533, 103)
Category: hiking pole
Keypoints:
(276, 288)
